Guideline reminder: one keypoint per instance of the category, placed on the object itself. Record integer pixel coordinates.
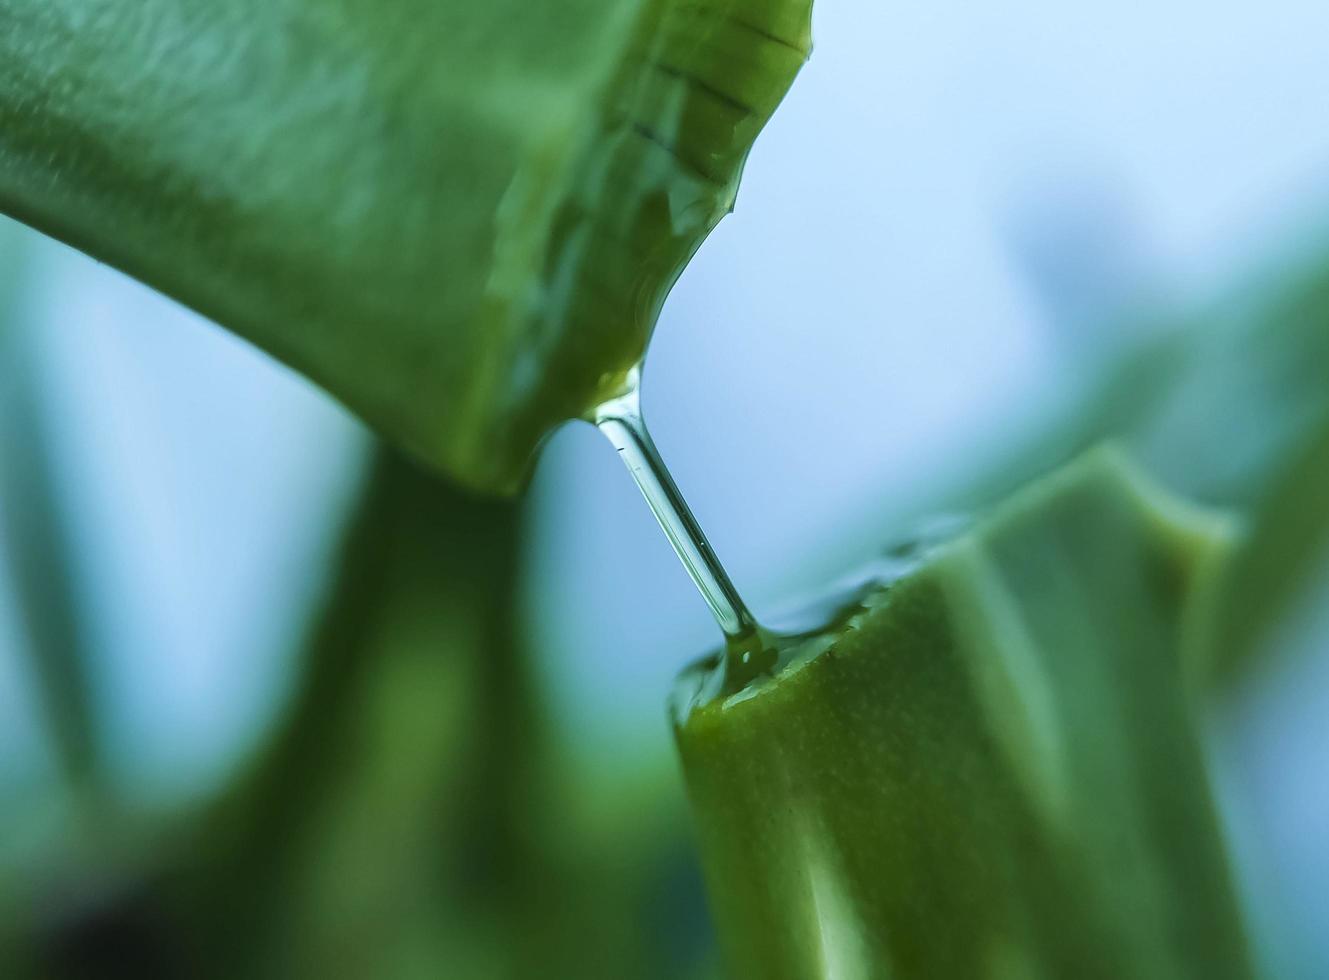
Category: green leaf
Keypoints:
(994, 771)
(37, 548)
(399, 767)
(412, 815)
(1245, 425)
(1230, 409)
(460, 218)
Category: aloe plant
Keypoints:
(880, 732)
(462, 220)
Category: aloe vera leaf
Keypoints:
(460, 218)
(994, 771)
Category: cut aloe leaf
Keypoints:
(992, 770)
(460, 218)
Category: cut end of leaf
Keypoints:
(660, 168)
(460, 219)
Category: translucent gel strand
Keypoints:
(620, 419)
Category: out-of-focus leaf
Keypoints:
(461, 218)
(994, 770)
(1246, 426)
(399, 773)
(1231, 410)
(411, 817)
(37, 550)
(11, 266)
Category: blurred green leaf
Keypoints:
(1245, 425)
(460, 218)
(404, 760)
(38, 553)
(411, 816)
(995, 770)
(1229, 409)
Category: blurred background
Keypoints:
(223, 710)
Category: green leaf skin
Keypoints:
(460, 218)
(994, 772)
